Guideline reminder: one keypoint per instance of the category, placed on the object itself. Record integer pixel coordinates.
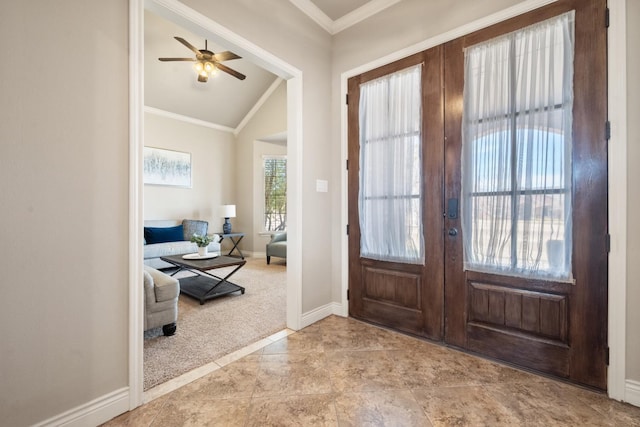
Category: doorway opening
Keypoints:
(214, 32)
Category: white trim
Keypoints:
(187, 119)
(314, 12)
(352, 18)
(360, 14)
(617, 93)
(96, 412)
(617, 167)
(136, 145)
(632, 392)
(294, 202)
(320, 313)
(265, 96)
(192, 20)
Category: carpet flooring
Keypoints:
(220, 326)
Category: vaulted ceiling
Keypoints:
(172, 87)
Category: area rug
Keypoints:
(220, 326)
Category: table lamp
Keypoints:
(226, 212)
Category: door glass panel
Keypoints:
(390, 193)
(516, 155)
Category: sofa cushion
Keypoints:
(163, 234)
(193, 226)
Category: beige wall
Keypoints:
(213, 158)
(269, 120)
(64, 168)
(64, 205)
(633, 196)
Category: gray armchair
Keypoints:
(161, 293)
(277, 246)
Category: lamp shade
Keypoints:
(228, 211)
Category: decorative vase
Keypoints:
(203, 250)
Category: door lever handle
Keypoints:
(453, 231)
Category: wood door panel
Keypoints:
(522, 349)
(538, 314)
(392, 287)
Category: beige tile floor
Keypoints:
(341, 372)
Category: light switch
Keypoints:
(322, 185)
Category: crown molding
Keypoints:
(360, 14)
(351, 18)
(186, 119)
(313, 12)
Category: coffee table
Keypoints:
(204, 285)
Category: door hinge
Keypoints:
(346, 98)
(347, 163)
(347, 229)
(607, 130)
(608, 243)
(606, 356)
(606, 18)
(348, 300)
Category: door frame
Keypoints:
(617, 173)
(177, 12)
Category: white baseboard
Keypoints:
(632, 392)
(320, 313)
(92, 413)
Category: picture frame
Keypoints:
(167, 167)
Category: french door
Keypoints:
(514, 266)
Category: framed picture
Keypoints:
(167, 167)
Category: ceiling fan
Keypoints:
(207, 62)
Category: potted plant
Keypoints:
(202, 242)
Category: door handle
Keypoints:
(453, 231)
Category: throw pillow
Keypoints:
(163, 234)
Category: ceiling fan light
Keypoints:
(203, 78)
(198, 66)
(209, 67)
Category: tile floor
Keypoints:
(341, 372)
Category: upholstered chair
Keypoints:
(161, 293)
(277, 246)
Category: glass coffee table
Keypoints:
(205, 285)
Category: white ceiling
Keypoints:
(336, 9)
(173, 86)
(337, 15)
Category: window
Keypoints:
(516, 156)
(275, 193)
(390, 195)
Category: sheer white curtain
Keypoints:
(516, 156)
(390, 196)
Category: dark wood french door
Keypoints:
(407, 297)
(553, 327)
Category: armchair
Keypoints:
(161, 293)
(277, 246)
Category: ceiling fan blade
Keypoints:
(228, 70)
(176, 59)
(187, 44)
(225, 56)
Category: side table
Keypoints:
(235, 239)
